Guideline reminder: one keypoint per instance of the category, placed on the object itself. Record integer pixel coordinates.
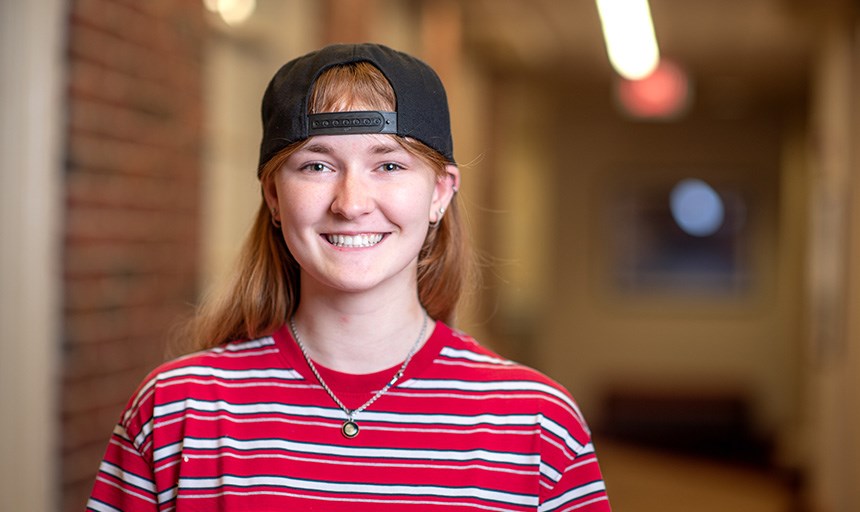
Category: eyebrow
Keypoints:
(317, 148)
(382, 149)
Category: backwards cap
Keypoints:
(421, 112)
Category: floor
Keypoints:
(644, 480)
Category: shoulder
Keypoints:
(477, 361)
(467, 365)
(232, 356)
(234, 364)
(233, 360)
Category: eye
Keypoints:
(391, 167)
(317, 167)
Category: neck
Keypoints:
(359, 334)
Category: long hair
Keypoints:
(263, 292)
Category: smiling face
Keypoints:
(355, 210)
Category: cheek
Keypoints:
(297, 203)
(411, 203)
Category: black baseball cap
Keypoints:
(421, 111)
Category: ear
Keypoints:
(270, 195)
(446, 186)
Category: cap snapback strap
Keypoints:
(344, 123)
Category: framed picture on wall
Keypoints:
(678, 234)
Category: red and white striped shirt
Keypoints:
(246, 426)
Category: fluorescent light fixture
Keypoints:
(233, 12)
(629, 34)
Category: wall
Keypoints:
(132, 199)
(31, 56)
(833, 363)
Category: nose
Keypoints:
(353, 196)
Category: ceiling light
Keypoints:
(233, 12)
(629, 34)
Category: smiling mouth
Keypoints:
(362, 240)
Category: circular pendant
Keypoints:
(349, 429)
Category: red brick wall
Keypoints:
(133, 197)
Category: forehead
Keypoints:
(369, 144)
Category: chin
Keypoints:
(364, 281)
(351, 283)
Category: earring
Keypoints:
(439, 219)
(275, 221)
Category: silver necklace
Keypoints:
(349, 429)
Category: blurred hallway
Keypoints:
(719, 369)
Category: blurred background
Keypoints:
(679, 249)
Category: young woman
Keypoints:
(327, 376)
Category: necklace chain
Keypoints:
(350, 428)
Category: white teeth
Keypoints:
(354, 240)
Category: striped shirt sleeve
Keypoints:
(125, 480)
(580, 488)
(570, 474)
